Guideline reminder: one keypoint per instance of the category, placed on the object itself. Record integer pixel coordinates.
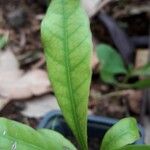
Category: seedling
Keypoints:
(67, 42)
(112, 64)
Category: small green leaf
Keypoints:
(141, 84)
(121, 134)
(142, 71)
(67, 42)
(111, 63)
(136, 147)
(3, 41)
(17, 136)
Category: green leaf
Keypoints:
(141, 84)
(3, 41)
(142, 71)
(66, 38)
(111, 63)
(121, 134)
(136, 147)
(17, 136)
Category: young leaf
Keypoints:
(17, 136)
(67, 42)
(111, 63)
(142, 71)
(141, 84)
(3, 41)
(136, 147)
(121, 134)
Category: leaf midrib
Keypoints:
(69, 79)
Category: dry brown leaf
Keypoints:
(39, 106)
(142, 57)
(90, 6)
(15, 84)
(33, 83)
(9, 71)
(3, 103)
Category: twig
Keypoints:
(111, 94)
(115, 94)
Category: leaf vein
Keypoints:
(79, 85)
(69, 78)
(80, 62)
(55, 35)
(79, 44)
(72, 33)
(50, 56)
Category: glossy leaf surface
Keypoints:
(17, 136)
(110, 62)
(121, 134)
(67, 42)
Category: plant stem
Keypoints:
(114, 94)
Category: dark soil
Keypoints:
(12, 111)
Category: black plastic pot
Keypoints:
(97, 125)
